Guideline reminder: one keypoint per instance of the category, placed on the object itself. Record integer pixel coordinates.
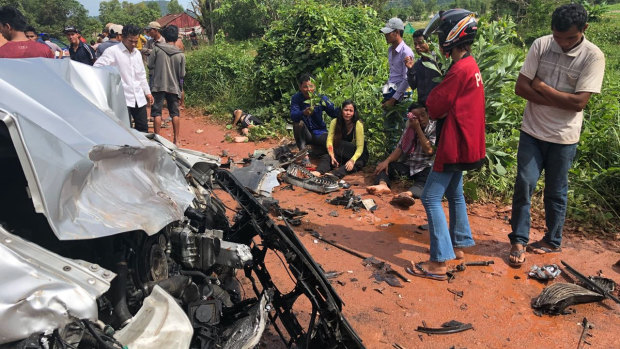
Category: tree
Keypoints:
(204, 12)
(125, 13)
(51, 16)
(418, 9)
(112, 12)
(175, 7)
(431, 6)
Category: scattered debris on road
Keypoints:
(545, 272)
(449, 327)
(585, 333)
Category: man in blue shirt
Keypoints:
(308, 124)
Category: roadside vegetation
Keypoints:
(342, 46)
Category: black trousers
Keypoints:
(303, 137)
(343, 152)
(138, 115)
(400, 169)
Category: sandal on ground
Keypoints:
(517, 254)
(402, 200)
(419, 271)
(542, 247)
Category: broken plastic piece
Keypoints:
(546, 272)
(591, 284)
(447, 328)
(555, 298)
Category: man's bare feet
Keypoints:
(436, 267)
(430, 270)
(379, 189)
(459, 253)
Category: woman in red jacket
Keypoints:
(458, 105)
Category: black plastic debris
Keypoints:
(446, 328)
(556, 298)
(608, 285)
(607, 292)
(349, 200)
(383, 272)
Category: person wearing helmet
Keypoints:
(560, 73)
(457, 104)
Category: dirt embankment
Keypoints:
(495, 299)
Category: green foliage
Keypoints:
(241, 19)
(311, 36)
(418, 9)
(113, 11)
(175, 7)
(51, 16)
(595, 10)
(218, 76)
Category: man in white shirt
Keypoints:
(128, 60)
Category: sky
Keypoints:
(93, 5)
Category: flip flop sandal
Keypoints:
(538, 246)
(517, 254)
(423, 273)
(403, 201)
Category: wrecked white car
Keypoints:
(110, 238)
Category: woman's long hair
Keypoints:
(341, 131)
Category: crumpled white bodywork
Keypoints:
(87, 171)
(41, 291)
(160, 323)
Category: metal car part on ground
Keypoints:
(301, 177)
(82, 185)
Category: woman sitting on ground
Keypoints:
(346, 149)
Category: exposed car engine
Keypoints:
(69, 284)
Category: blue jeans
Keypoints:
(533, 156)
(444, 240)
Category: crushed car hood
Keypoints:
(87, 171)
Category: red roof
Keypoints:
(181, 20)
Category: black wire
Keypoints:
(99, 339)
(285, 267)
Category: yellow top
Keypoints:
(358, 138)
(141, 41)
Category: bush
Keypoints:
(219, 76)
(311, 36)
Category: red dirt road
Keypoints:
(496, 299)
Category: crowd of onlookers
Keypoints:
(444, 133)
(128, 48)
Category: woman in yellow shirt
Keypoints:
(346, 150)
